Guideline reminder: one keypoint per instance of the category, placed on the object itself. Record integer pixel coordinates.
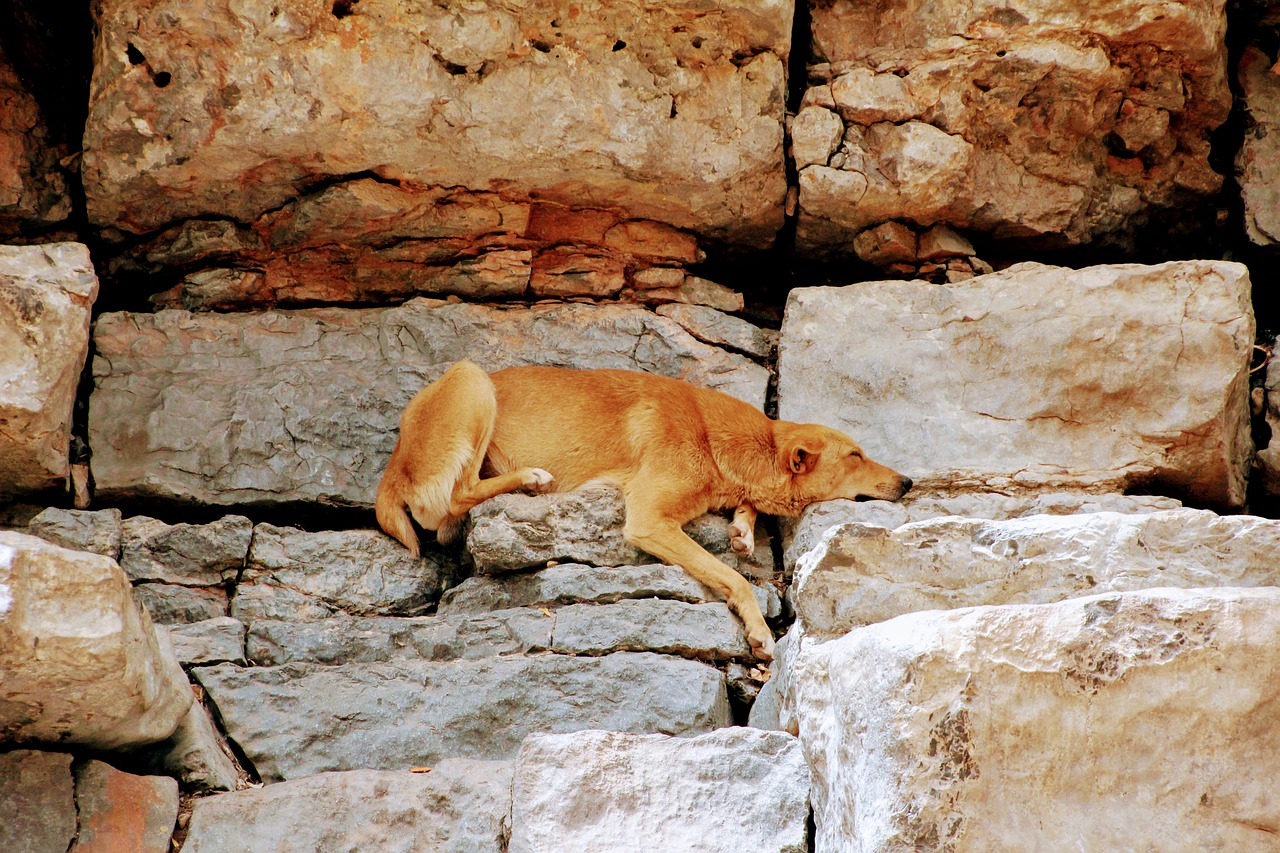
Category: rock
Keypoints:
(98, 532)
(303, 406)
(173, 604)
(942, 243)
(33, 190)
(860, 574)
(887, 243)
(313, 575)
(713, 327)
(123, 813)
(1258, 163)
(514, 532)
(1118, 721)
(696, 291)
(196, 754)
(1052, 127)
(209, 641)
(731, 790)
(186, 554)
(703, 631)
(1141, 386)
(816, 133)
(803, 534)
(460, 806)
(46, 293)
(1268, 458)
(300, 719)
(79, 662)
(37, 802)
(573, 583)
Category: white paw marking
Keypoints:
(539, 479)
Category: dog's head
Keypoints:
(825, 464)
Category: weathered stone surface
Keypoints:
(1258, 162)
(123, 813)
(186, 554)
(46, 293)
(79, 662)
(174, 604)
(209, 641)
(572, 583)
(196, 754)
(1058, 124)
(1117, 721)
(513, 532)
(705, 631)
(312, 575)
(300, 719)
(1268, 458)
(461, 806)
(37, 802)
(304, 405)
(33, 191)
(801, 535)
(1036, 378)
(723, 330)
(98, 532)
(861, 574)
(730, 790)
(695, 291)
(664, 111)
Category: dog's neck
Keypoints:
(746, 452)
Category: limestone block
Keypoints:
(46, 293)
(1056, 124)
(301, 719)
(37, 802)
(515, 531)
(1036, 378)
(185, 554)
(33, 190)
(859, 574)
(1258, 162)
(720, 329)
(461, 806)
(704, 631)
(1119, 721)
(196, 754)
(79, 662)
(209, 641)
(175, 604)
(98, 532)
(303, 406)
(730, 790)
(123, 813)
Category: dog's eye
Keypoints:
(855, 455)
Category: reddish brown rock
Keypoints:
(123, 813)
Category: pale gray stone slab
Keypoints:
(187, 554)
(98, 531)
(704, 631)
(196, 754)
(209, 641)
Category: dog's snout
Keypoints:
(906, 484)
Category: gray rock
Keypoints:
(514, 531)
(80, 663)
(310, 575)
(704, 631)
(303, 406)
(37, 802)
(120, 810)
(1258, 162)
(173, 604)
(97, 532)
(216, 640)
(724, 330)
(187, 554)
(1142, 385)
(46, 294)
(300, 719)
(460, 806)
(571, 583)
(196, 754)
(729, 791)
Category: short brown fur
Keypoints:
(675, 450)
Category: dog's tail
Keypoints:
(390, 509)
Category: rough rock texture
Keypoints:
(185, 554)
(300, 719)
(209, 641)
(290, 145)
(33, 191)
(1118, 721)
(79, 662)
(1258, 162)
(1267, 459)
(716, 327)
(461, 806)
(802, 535)
(173, 604)
(295, 574)
(46, 293)
(1136, 377)
(732, 790)
(37, 802)
(860, 574)
(1053, 124)
(98, 532)
(123, 813)
(705, 631)
(196, 754)
(513, 532)
(304, 405)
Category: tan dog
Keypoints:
(676, 452)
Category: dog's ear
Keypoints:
(798, 452)
(800, 460)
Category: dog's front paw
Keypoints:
(742, 539)
(538, 480)
(761, 645)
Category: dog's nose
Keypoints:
(906, 485)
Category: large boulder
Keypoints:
(303, 406)
(46, 294)
(1053, 122)
(723, 792)
(1127, 721)
(80, 663)
(1258, 162)
(1036, 378)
